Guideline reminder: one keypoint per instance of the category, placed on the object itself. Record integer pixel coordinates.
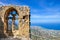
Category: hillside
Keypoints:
(38, 33)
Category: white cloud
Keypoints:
(36, 16)
(45, 16)
(1, 3)
(53, 18)
(45, 19)
(51, 10)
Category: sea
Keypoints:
(54, 26)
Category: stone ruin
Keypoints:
(23, 18)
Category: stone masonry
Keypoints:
(23, 14)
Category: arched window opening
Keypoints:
(13, 16)
(10, 24)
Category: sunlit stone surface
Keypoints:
(23, 26)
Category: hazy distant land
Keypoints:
(39, 33)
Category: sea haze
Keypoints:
(54, 26)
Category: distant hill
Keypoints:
(38, 33)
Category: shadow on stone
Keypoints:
(2, 35)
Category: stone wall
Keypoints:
(23, 13)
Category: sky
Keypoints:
(42, 11)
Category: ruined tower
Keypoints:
(23, 17)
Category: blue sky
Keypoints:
(42, 11)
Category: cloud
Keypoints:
(3, 4)
(49, 14)
(45, 11)
(45, 16)
(45, 19)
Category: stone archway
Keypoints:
(6, 18)
(24, 20)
